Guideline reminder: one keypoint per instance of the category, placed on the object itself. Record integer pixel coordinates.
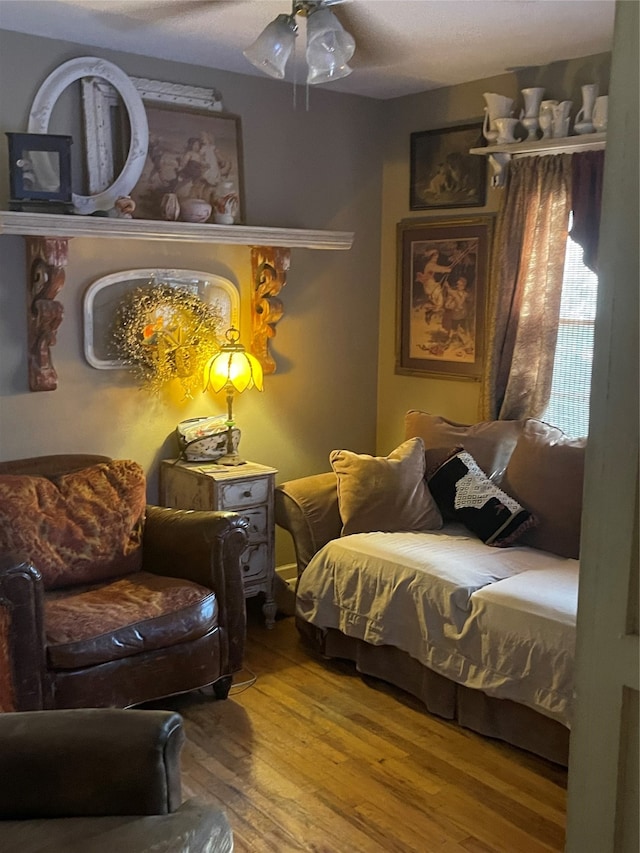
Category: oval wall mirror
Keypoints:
(104, 295)
(40, 115)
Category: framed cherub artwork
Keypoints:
(443, 269)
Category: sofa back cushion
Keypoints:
(385, 493)
(545, 474)
(491, 443)
(81, 527)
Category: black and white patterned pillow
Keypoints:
(464, 492)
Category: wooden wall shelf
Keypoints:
(500, 155)
(60, 225)
(48, 235)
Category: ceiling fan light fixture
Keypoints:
(329, 47)
(270, 52)
(325, 73)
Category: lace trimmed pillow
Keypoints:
(462, 490)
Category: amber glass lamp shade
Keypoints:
(233, 370)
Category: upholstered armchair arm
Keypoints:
(308, 509)
(204, 547)
(89, 762)
(22, 646)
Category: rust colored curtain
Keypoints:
(526, 287)
(586, 198)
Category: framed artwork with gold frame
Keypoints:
(443, 271)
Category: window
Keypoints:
(571, 383)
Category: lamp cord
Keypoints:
(241, 686)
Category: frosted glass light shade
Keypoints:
(273, 47)
(329, 47)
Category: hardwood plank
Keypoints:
(313, 757)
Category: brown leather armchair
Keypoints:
(99, 780)
(167, 618)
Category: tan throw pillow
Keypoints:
(489, 442)
(545, 474)
(378, 493)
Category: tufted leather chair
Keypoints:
(169, 618)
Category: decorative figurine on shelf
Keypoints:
(123, 208)
(170, 207)
(194, 210)
(227, 204)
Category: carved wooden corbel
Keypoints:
(47, 262)
(269, 268)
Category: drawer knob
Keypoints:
(245, 567)
(247, 494)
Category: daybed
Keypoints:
(395, 575)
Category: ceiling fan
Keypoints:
(329, 45)
(344, 20)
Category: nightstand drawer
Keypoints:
(244, 493)
(258, 523)
(255, 562)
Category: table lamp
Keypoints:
(233, 370)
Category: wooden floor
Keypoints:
(313, 758)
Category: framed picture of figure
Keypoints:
(443, 269)
(193, 154)
(443, 173)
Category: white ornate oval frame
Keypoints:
(45, 100)
(211, 288)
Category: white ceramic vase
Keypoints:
(498, 106)
(560, 123)
(532, 98)
(545, 118)
(600, 113)
(506, 129)
(584, 116)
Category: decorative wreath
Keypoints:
(164, 333)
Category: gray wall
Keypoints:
(317, 169)
(344, 165)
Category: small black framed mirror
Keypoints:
(40, 172)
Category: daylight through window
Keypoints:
(571, 384)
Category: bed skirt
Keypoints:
(498, 718)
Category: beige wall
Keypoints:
(317, 169)
(456, 399)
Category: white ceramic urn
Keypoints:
(600, 113)
(584, 116)
(498, 106)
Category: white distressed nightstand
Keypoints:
(246, 489)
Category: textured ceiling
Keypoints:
(403, 46)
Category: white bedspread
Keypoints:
(500, 620)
